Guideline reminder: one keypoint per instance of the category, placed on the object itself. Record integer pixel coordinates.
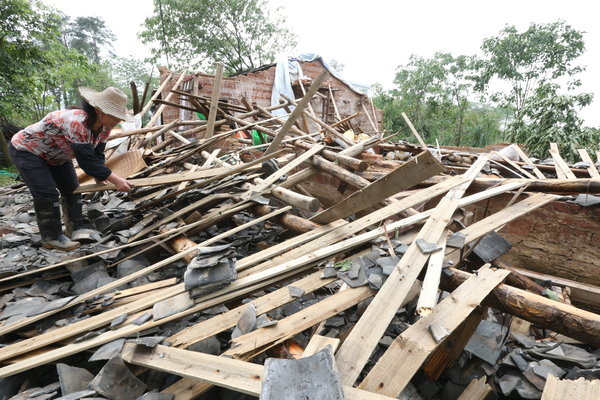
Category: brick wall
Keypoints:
(256, 88)
(560, 239)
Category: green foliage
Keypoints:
(242, 34)
(88, 35)
(550, 117)
(27, 32)
(532, 63)
(438, 96)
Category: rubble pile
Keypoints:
(315, 265)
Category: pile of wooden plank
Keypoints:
(384, 282)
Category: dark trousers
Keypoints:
(41, 178)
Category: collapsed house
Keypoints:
(315, 265)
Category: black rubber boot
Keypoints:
(72, 213)
(47, 214)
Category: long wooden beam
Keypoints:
(406, 354)
(401, 178)
(237, 375)
(358, 346)
(560, 317)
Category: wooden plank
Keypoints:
(156, 94)
(401, 178)
(188, 390)
(210, 177)
(580, 389)
(318, 342)
(271, 179)
(358, 225)
(236, 290)
(431, 282)
(581, 293)
(297, 112)
(159, 180)
(358, 346)
(240, 376)
(585, 157)
(502, 217)
(477, 390)
(514, 165)
(409, 350)
(229, 319)
(297, 322)
(214, 101)
(414, 131)
(448, 352)
(563, 171)
(527, 160)
(162, 107)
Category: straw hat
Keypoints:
(110, 101)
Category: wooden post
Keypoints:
(297, 112)
(214, 101)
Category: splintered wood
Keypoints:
(308, 239)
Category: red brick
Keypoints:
(566, 207)
(521, 226)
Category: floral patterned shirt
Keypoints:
(51, 138)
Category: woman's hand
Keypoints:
(121, 184)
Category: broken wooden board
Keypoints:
(237, 375)
(297, 112)
(580, 389)
(585, 157)
(409, 350)
(401, 178)
(477, 390)
(528, 161)
(358, 346)
(563, 171)
(209, 176)
(546, 313)
(187, 389)
(113, 285)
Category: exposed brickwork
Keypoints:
(558, 239)
(256, 88)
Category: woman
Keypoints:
(43, 152)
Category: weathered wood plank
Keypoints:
(563, 171)
(214, 101)
(585, 157)
(297, 112)
(581, 389)
(240, 376)
(431, 282)
(409, 350)
(358, 346)
(401, 178)
(527, 160)
(477, 390)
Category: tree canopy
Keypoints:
(522, 90)
(242, 34)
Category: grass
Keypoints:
(8, 175)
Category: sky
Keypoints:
(372, 38)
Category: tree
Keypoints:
(438, 96)
(534, 63)
(242, 34)
(554, 118)
(89, 35)
(27, 32)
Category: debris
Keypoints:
(343, 236)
